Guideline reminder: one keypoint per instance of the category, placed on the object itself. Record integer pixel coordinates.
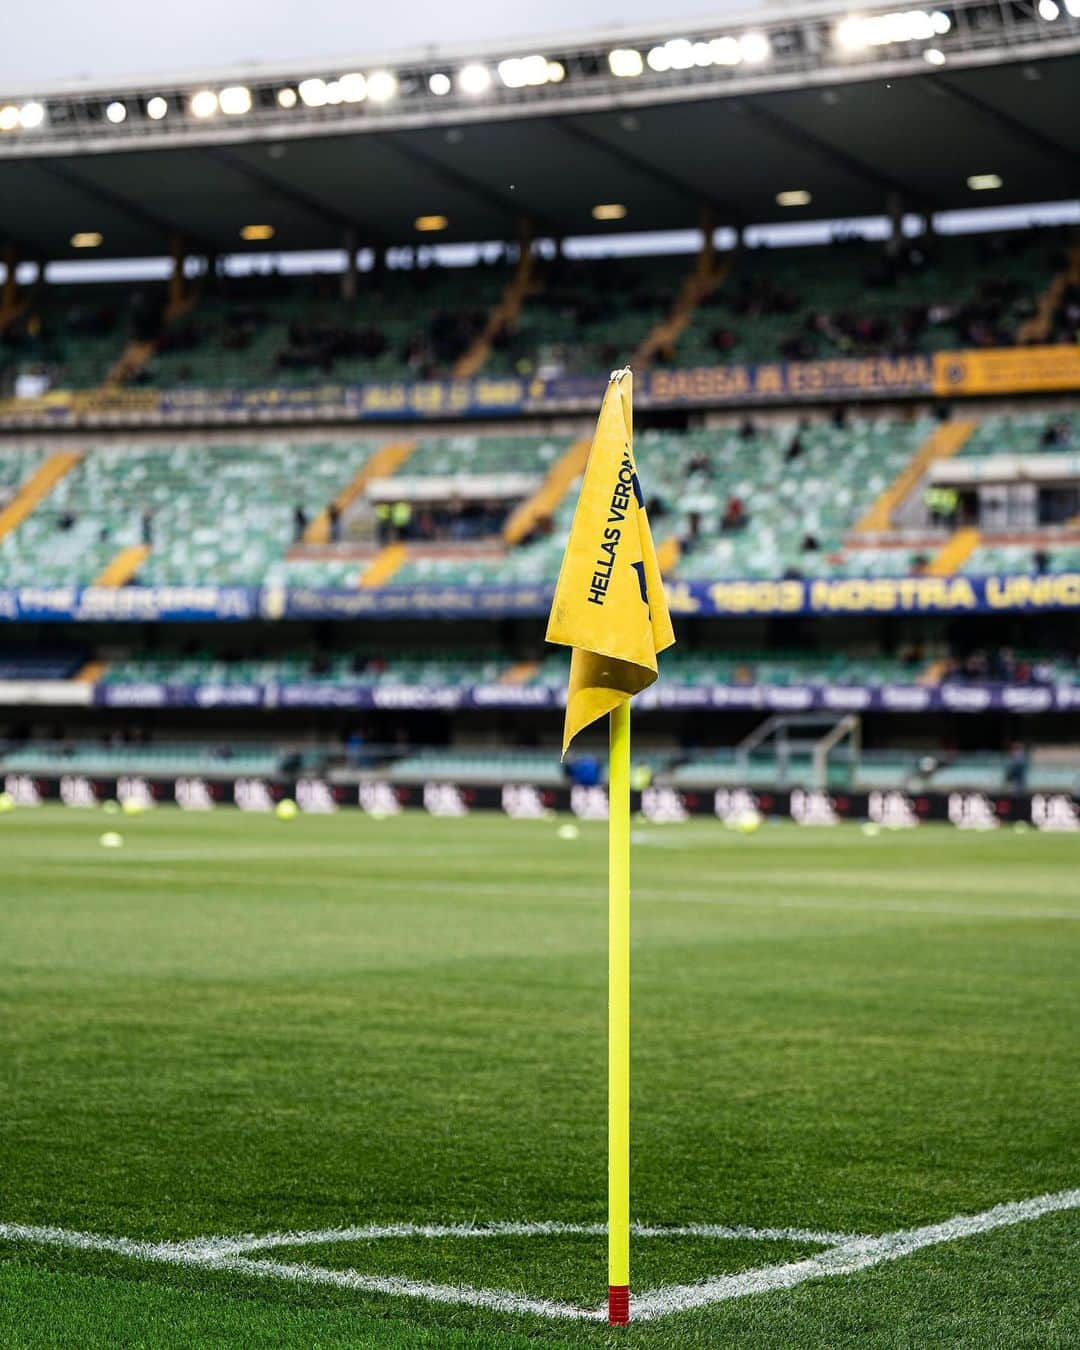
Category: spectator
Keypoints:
(333, 516)
(1016, 767)
(147, 527)
(300, 521)
(735, 517)
(400, 518)
(1055, 434)
(383, 523)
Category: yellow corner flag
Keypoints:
(609, 601)
(610, 608)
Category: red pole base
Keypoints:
(618, 1305)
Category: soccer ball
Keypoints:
(131, 807)
(7, 802)
(568, 831)
(285, 809)
(110, 839)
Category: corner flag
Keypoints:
(609, 606)
(609, 601)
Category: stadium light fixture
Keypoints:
(204, 103)
(725, 51)
(381, 86)
(439, 84)
(625, 62)
(680, 53)
(31, 115)
(984, 182)
(520, 71)
(430, 224)
(934, 56)
(235, 100)
(1048, 10)
(608, 211)
(353, 87)
(793, 197)
(849, 34)
(156, 108)
(312, 93)
(556, 72)
(755, 48)
(287, 97)
(116, 112)
(1072, 8)
(857, 32)
(676, 54)
(86, 239)
(9, 117)
(474, 79)
(256, 233)
(334, 96)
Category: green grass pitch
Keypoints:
(239, 1025)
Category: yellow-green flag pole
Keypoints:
(619, 1017)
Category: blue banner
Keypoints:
(944, 374)
(492, 396)
(816, 696)
(704, 599)
(128, 604)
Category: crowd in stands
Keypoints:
(896, 303)
(1002, 665)
(853, 298)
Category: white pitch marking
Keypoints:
(374, 1232)
(850, 1254)
(199, 1254)
(846, 1258)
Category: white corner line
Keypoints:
(846, 1255)
(549, 1228)
(846, 1258)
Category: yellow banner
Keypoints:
(1007, 370)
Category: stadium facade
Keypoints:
(274, 527)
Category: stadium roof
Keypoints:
(846, 135)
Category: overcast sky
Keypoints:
(45, 41)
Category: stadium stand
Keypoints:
(410, 324)
(849, 298)
(218, 513)
(222, 760)
(1024, 433)
(856, 299)
(371, 666)
(739, 501)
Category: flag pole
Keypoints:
(619, 1017)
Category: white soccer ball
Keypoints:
(870, 828)
(110, 839)
(568, 831)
